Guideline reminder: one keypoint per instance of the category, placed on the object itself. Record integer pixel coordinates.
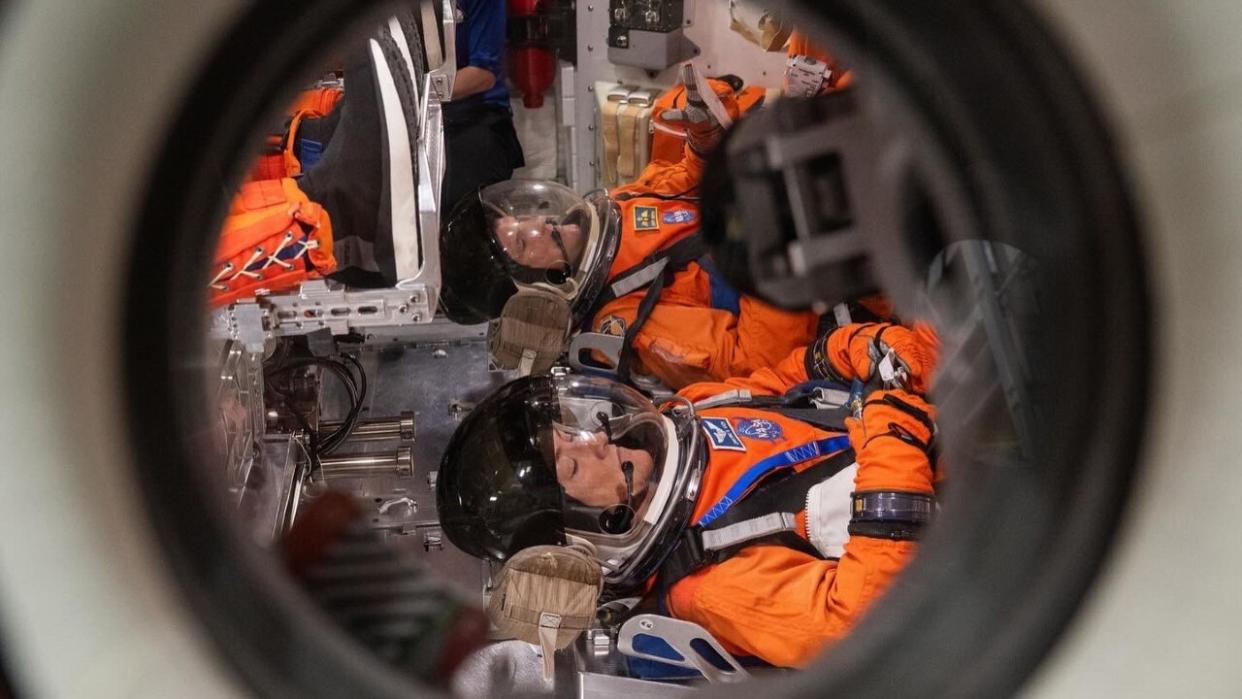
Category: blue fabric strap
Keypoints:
(724, 296)
(786, 459)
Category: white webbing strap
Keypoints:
(638, 279)
(737, 395)
(749, 530)
(549, 624)
(527, 364)
(710, 99)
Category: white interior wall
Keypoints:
(570, 110)
(721, 51)
(537, 131)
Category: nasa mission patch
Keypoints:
(720, 434)
(646, 218)
(679, 216)
(759, 428)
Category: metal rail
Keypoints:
(399, 463)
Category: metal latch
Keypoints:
(433, 541)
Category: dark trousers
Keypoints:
(482, 149)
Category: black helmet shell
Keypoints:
(497, 491)
(475, 279)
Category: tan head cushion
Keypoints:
(542, 583)
(531, 333)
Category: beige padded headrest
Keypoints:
(547, 595)
(531, 334)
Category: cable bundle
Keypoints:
(343, 367)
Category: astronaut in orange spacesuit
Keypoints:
(772, 529)
(629, 264)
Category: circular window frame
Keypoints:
(929, 635)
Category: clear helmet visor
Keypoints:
(542, 230)
(609, 445)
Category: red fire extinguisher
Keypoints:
(532, 62)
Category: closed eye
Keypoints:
(566, 469)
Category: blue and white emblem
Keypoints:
(758, 428)
(721, 435)
(679, 216)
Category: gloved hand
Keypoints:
(705, 116)
(892, 442)
(892, 355)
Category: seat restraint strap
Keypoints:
(675, 257)
(652, 297)
(760, 518)
(638, 279)
(666, 263)
(749, 530)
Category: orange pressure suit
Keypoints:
(686, 339)
(274, 237)
(777, 603)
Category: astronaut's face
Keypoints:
(540, 243)
(589, 469)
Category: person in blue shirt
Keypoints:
(482, 145)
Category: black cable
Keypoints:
(333, 441)
(355, 412)
(354, 387)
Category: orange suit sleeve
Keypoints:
(668, 179)
(785, 606)
(767, 381)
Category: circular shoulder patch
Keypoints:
(759, 428)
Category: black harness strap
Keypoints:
(645, 309)
(678, 255)
(785, 493)
(654, 272)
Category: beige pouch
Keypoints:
(547, 595)
(531, 333)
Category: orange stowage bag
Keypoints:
(273, 239)
(278, 159)
(271, 164)
(667, 142)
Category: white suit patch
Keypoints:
(828, 513)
